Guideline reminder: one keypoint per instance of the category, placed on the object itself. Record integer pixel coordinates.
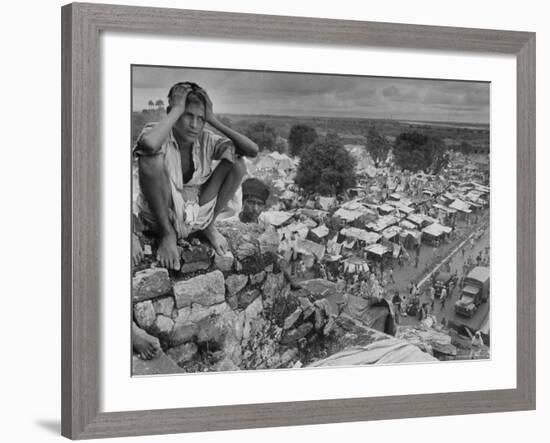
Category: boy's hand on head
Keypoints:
(179, 96)
(208, 110)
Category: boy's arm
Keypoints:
(243, 145)
(151, 142)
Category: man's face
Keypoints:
(191, 122)
(252, 208)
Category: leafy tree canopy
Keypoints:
(418, 152)
(263, 135)
(377, 146)
(326, 168)
(299, 137)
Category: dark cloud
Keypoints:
(390, 91)
(255, 92)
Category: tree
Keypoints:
(465, 148)
(263, 135)
(159, 104)
(299, 137)
(418, 152)
(326, 168)
(377, 146)
(151, 104)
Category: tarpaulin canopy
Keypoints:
(382, 223)
(288, 195)
(298, 229)
(479, 273)
(444, 208)
(407, 224)
(417, 219)
(321, 231)
(354, 265)
(435, 230)
(360, 234)
(377, 249)
(327, 203)
(460, 205)
(470, 289)
(310, 247)
(310, 223)
(348, 215)
(276, 218)
(391, 232)
(389, 351)
(395, 196)
(386, 208)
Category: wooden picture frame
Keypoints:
(81, 166)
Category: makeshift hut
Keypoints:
(378, 252)
(355, 265)
(319, 234)
(410, 238)
(435, 233)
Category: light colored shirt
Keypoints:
(208, 149)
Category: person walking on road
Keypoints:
(432, 298)
(391, 275)
(443, 297)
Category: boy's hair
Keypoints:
(192, 97)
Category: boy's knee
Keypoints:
(150, 165)
(239, 167)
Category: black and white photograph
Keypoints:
(305, 220)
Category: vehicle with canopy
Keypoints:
(474, 292)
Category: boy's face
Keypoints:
(252, 208)
(191, 123)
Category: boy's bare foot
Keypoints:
(167, 252)
(145, 345)
(218, 241)
(137, 250)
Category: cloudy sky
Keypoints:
(254, 92)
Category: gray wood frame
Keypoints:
(81, 165)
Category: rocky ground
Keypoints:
(240, 312)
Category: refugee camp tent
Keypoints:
(461, 206)
(265, 162)
(348, 215)
(385, 209)
(276, 218)
(288, 195)
(395, 196)
(382, 223)
(434, 232)
(377, 250)
(327, 203)
(370, 171)
(401, 207)
(410, 238)
(407, 224)
(315, 214)
(444, 208)
(309, 247)
(282, 161)
(391, 233)
(300, 230)
(355, 265)
(320, 232)
(360, 234)
(310, 223)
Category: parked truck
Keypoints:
(474, 292)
